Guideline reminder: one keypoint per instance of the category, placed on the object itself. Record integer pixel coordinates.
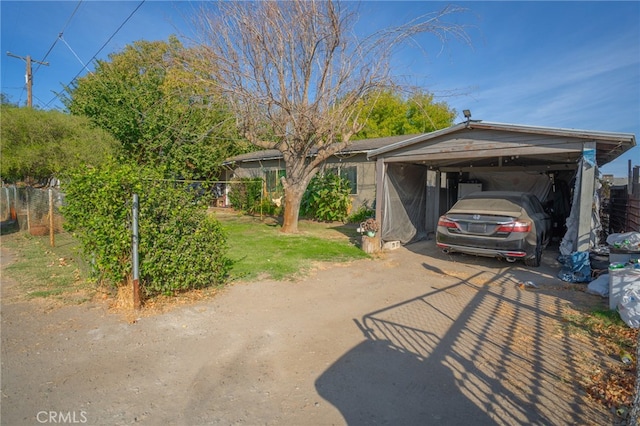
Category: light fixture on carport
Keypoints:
(467, 114)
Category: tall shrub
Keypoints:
(326, 198)
(245, 194)
(181, 247)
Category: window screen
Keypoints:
(273, 182)
(349, 173)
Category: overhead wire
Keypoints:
(59, 36)
(72, 51)
(57, 95)
(52, 46)
(84, 67)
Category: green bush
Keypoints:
(361, 214)
(326, 198)
(267, 207)
(180, 246)
(245, 194)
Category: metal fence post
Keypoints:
(136, 283)
(52, 240)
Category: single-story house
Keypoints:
(412, 180)
(351, 163)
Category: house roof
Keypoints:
(356, 147)
(487, 139)
(539, 145)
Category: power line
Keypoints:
(30, 74)
(99, 50)
(59, 34)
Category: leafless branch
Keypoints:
(295, 71)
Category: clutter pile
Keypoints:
(621, 283)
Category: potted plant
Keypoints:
(369, 227)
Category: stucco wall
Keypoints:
(366, 192)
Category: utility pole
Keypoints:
(28, 76)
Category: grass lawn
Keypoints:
(260, 250)
(45, 271)
(257, 247)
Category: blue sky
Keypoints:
(556, 64)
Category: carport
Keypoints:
(419, 178)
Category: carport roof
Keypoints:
(483, 143)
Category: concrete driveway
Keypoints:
(414, 337)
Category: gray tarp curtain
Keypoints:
(404, 203)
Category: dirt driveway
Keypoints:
(413, 338)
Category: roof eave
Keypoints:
(623, 141)
(580, 133)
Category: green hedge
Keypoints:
(181, 247)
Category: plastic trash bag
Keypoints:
(627, 241)
(599, 286)
(576, 267)
(629, 306)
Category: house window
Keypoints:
(273, 182)
(349, 173)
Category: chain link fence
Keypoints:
(37, 210)
(32, 210)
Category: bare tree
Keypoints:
(294, 73)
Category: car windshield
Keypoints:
(486, 204)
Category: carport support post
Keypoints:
(587, 186)
(380, 182)
(432, 186)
